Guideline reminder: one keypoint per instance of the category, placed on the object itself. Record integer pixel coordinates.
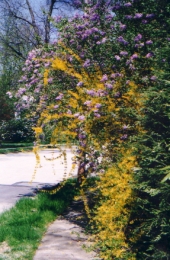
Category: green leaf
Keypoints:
(167, 177)
(166, 168)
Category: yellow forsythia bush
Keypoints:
(112, 215)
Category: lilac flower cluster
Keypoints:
(60, 96)
(120, 39)
(138, 37)
(80, 84)
(123, 53)
(128, 4)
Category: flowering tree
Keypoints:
(98, 84)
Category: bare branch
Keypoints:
(33, 20)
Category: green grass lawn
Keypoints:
(15, 147)
(24, 147)
(22, 227)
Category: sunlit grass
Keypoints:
(22, 227)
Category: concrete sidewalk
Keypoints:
(65, 238)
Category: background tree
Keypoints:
(24, 25)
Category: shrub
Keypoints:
(16, 130)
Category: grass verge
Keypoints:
(15, 147)
(22, 227)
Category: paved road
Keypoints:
(18, 176)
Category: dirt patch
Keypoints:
(4, 248)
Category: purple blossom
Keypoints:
(149, 55)
(127, 4)
(84, 36)
(103, 40)
(57, 19)
(138, 37)
(37, 65)
(82, 118)
(37, 90)
(124, 137)
(87, 103)
(128, 62)
(117, 94)
(69, 112)
(83, 144)
(98, 42)
(91, 92)
(82, 136)
(153, 77)
(104, 78)
(80, 84)
(115, 75)
(86, 63)
(98, 105)
(47, 64)
(76, 115)
(71, 41)
(125, 127)
(122, 40)
(117, 57)
(123, 53)
(94, 17)
(25, 98)
(28, 85)
(149, 42)
(102, 93)
(123, 27)
(82, 54)
(21, 91)
(50, 80)
(134, 56)
(102, 33)
(139, 45)
(59, 97)
(9, 94)
(24, 78)
(70, 59)
(34, 81)
(144, 21)
(150, 15)
(138, 16)
(28, 62)
(131, 66)
(97, 115)
(95, 29)
(56, 106)
(80, 27)
(109, 17)
(108, 86)
(116, 7)
(33, 77)
(129, 17)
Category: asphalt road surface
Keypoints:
(20, 174)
